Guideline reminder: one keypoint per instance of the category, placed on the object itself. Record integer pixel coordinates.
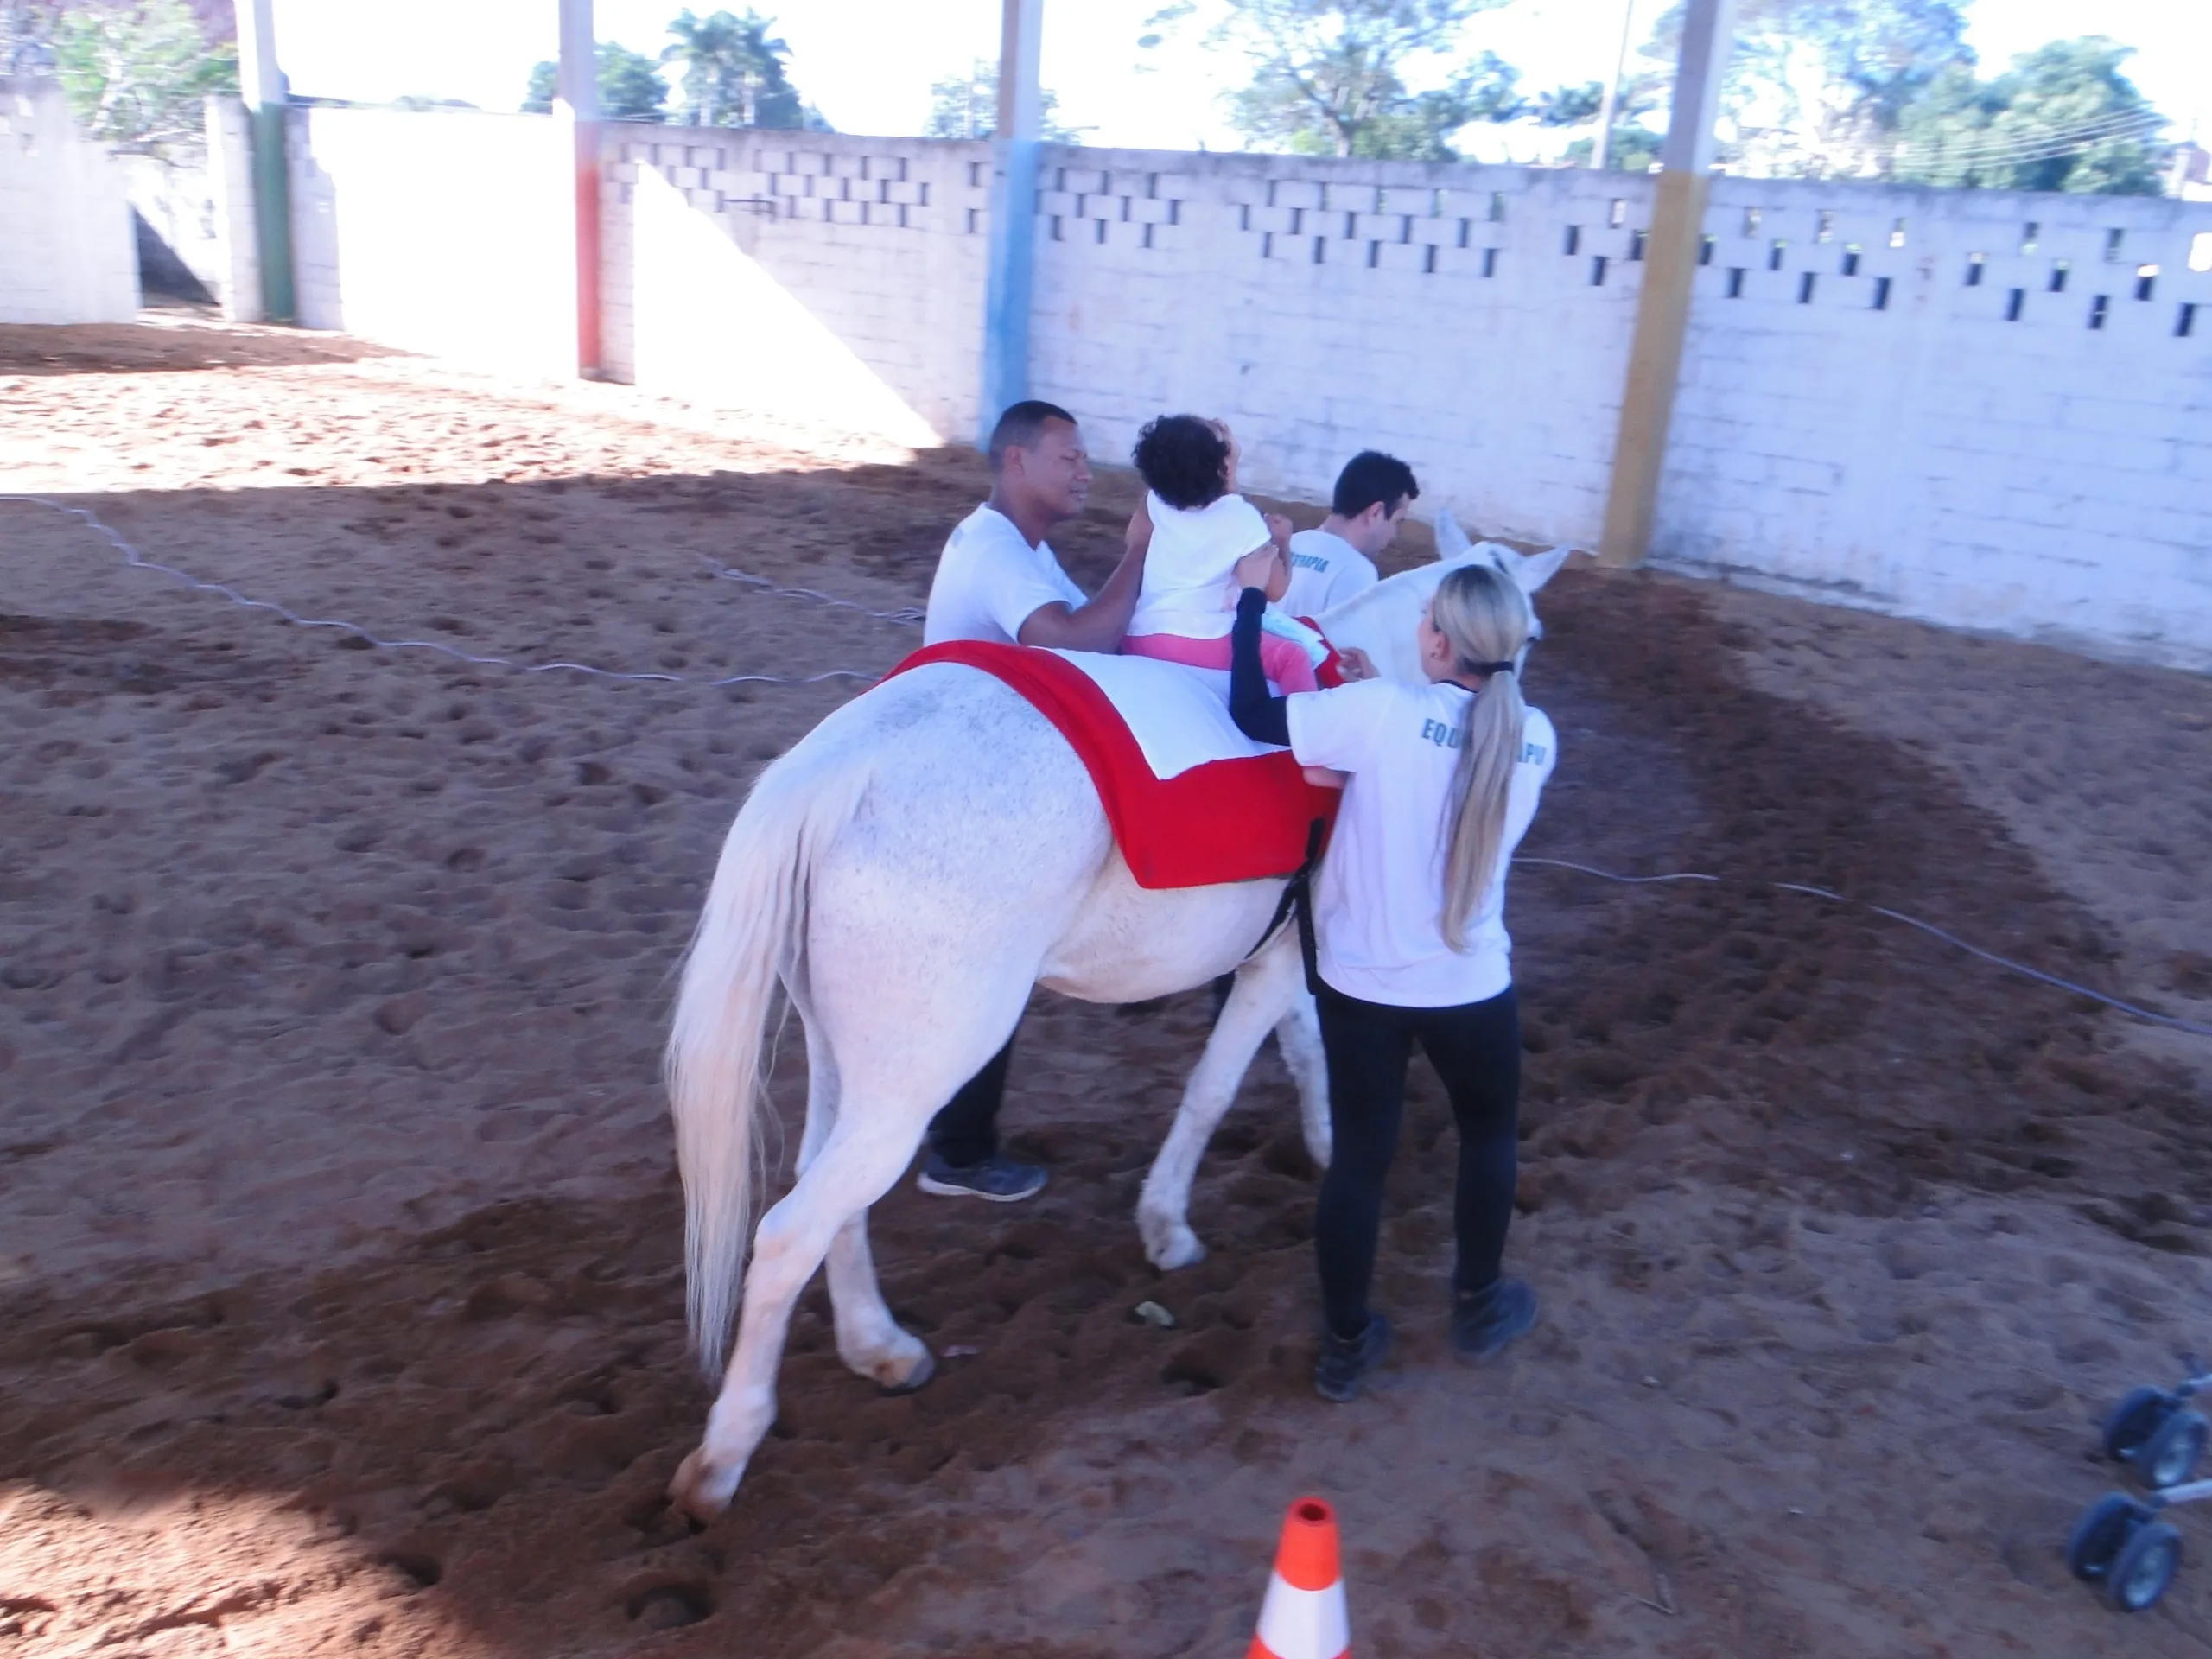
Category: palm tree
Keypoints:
(733, 70)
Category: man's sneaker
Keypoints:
(1345, 1360)
(998, 1179)
(1484, 1321)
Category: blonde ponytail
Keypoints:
(1483, 614)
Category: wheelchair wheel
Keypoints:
(2170, 1456)
(2144, 1566)
(2100, 1534)
(2134, 1421)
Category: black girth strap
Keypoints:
(1298, 901)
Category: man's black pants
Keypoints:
(967, 1131)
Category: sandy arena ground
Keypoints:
(341, 1310)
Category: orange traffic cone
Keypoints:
(1304, 1616)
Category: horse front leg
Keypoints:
(853, 1167)
(1298, 1039)
(1266, 986)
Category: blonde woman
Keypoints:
(1410, 941)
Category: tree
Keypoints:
(2063, 117)
(135, 71)
(734, 73)
(967, 106)
(630, 87)
(1328, 76)
(1817, 88)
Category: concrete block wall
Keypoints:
(812, 275)
(444, 232)
(68, 251)
(1474, 320)
(1983, 410)
(1990, 411)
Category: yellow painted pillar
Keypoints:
(1662, 311)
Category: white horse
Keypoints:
(906, 872)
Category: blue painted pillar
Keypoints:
(1013, 251)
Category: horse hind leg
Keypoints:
(851, 1169)
(1265, 988)
(869, 1340)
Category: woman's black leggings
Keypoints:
(1476, 1049)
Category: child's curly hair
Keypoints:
(1183, 460)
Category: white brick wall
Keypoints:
(67, 253)
(1323, 307)
(2037, 476)
(827, 276)
(1884, 437)
(442, 232)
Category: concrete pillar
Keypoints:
(1670, 256)
(577, 104)
(261, 84)
(230, 185)
(1014, 209)
(1609, 108)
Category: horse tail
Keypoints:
(750, 935)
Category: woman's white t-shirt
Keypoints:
(1378, 900)
(1187, 566)
(989, 582)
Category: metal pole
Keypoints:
(1670, 272)
(577, 104)
(261, 87)
(1608, 112)
(1013, 209)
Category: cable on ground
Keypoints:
(137, 560)
(2169, 1021)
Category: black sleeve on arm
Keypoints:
(1258, 716)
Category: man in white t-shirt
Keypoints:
(1337, 561)
(997, 580)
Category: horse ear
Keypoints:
(1533, 570)
(1451, 540)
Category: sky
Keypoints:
(868, 65)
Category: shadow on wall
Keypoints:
(161, 271)
(712, 325)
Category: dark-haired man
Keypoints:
(1337, 561)
(997, 580)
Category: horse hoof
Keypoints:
(924, 1368)
(1179, 1249)
(693, 1494)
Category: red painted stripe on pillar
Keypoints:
(589, 362)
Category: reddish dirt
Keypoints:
(340, 1306)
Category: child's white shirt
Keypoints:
(1188, 567)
